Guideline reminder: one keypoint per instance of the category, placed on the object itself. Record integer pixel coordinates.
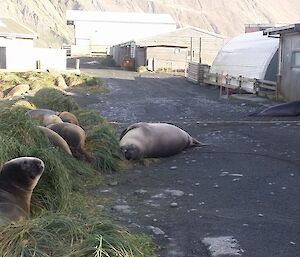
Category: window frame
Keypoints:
(294, 52)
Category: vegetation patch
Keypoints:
(64, 219)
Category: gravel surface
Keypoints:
(238, 196)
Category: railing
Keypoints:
(240, 83)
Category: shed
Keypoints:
(16, 44)
(95, 31)
(289, 64)
(172, 50)
(250, 55)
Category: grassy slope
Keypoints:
(64, 220)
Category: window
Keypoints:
(296, 59)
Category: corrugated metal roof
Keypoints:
(78, 15)
(11, 28)
(179, 37)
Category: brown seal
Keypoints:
(74, 136)
(55, 139)
(69, 117)
(18, 178)
(46, 116)
(154, 140)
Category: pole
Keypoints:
(200, 49)
(191, 50)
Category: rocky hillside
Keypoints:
(47, 17)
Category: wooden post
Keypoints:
(240, 84)
(191, 49)
(77, 64)
(227, 84)
(200, 49)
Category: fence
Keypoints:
(199, 73)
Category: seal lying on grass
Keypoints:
(69, 117)
(18, 178)
(55, 139)
(154, 140)
(74, 136)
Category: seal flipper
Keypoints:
(196, 143)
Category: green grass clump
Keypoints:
(88, 117)
(58, 235)
(54, 99)
(103, 144)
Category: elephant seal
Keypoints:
(69, 117)
(285, 109)
(74, 136)
(55, 139)
(18, 90)
(46, 116)
(18, 178)
(51, 119)
(40, 113)
(154, 140)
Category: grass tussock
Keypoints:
(58, 235)
(102, 142)
(50, 98)
(65, 221)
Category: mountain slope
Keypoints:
(47, 17)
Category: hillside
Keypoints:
(47, 17)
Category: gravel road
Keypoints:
(238, 196)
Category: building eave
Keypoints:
(282, 30)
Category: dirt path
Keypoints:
(237, 196)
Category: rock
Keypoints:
(113, 183)
(122, 208)
(174, 205)
(156, 230)
(173, 167)
(140, 192)
(177, 193)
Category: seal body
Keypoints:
(46, 116)
(285, 109)
(18, 90)
(55, 139)
(18, 178)
(69, 117)
(74, 136)
(154, 140)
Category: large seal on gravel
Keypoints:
(154, 140)
(18, 178)
(55, 139)
(74, 136)
(285, 109)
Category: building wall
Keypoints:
(93, 34)
(51, 58)
(21, 55)
(290, 83)
(171, 58)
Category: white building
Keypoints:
(96, 32)
(17, 52)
